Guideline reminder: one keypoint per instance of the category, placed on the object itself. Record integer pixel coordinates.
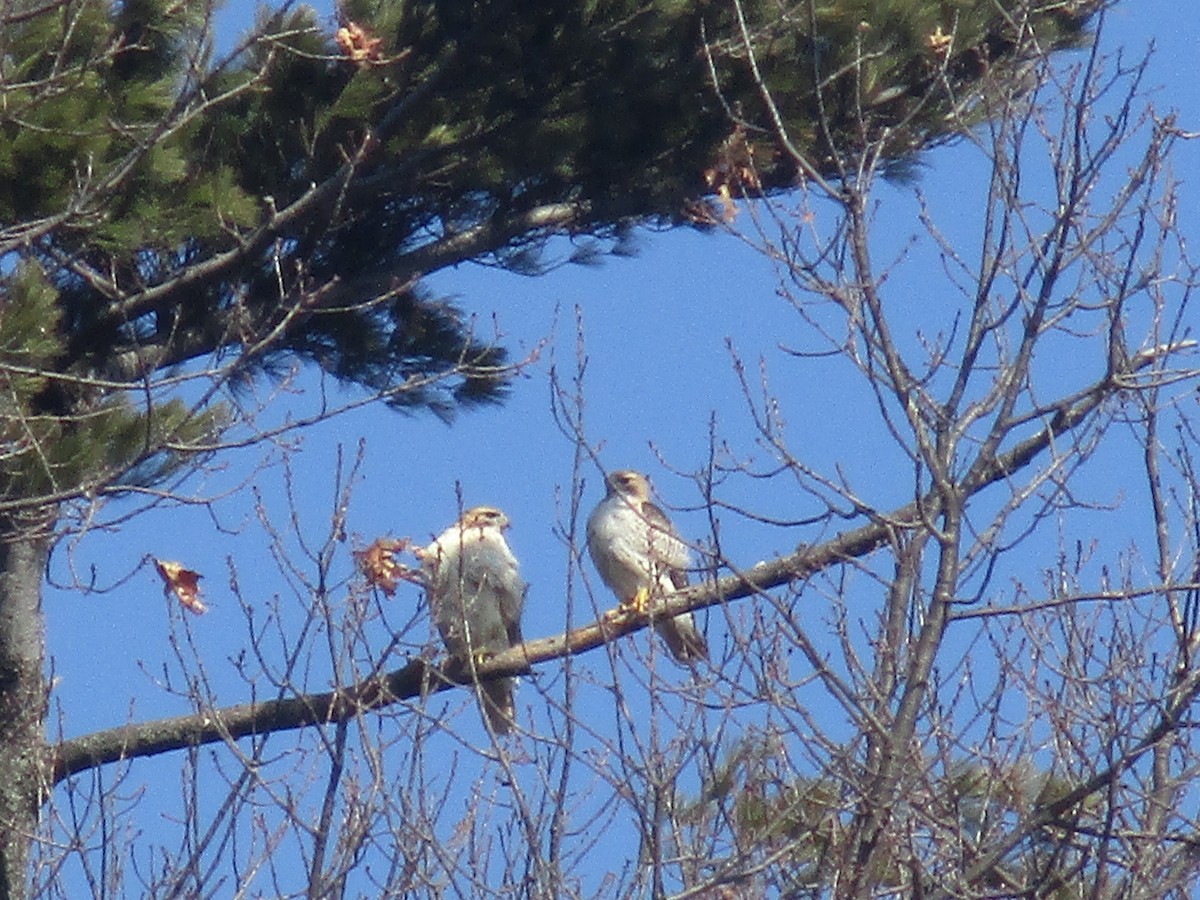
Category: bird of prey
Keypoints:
(475, 597)
(640, 556)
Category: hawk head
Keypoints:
(484, 517)
(633, 486)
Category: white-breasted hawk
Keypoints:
(476, 595)
(640, 556)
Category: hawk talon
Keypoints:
(618, 615)
(635, 607)
(639, 603)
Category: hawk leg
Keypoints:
(633, 607)
(479, 657)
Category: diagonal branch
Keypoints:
(419, 676)
(226, 326)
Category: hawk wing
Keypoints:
(668, 552)
(500, 594)
(671, 557)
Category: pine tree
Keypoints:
(166, 209)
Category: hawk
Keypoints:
(475, 597)
(640, 556)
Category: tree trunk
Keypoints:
(23, 697)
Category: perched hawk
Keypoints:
(639, 555)
(475, 597)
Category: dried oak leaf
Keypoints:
(378, 563)
(358, 43)
(939, 42)
(183, 583)
(733, 172)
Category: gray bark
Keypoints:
(23, 699)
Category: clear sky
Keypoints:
(656, 330)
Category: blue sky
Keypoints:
(656, 330)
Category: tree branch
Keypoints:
(227, 326)
(419, 676)
(1046, 814)
(491, 235)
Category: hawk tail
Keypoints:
(496, 697)
(684, 639)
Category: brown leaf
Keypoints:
(183, 583)
(939, 42)
(358, 43)
(378, 563)
(732, 174)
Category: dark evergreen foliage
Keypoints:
(287, 200)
